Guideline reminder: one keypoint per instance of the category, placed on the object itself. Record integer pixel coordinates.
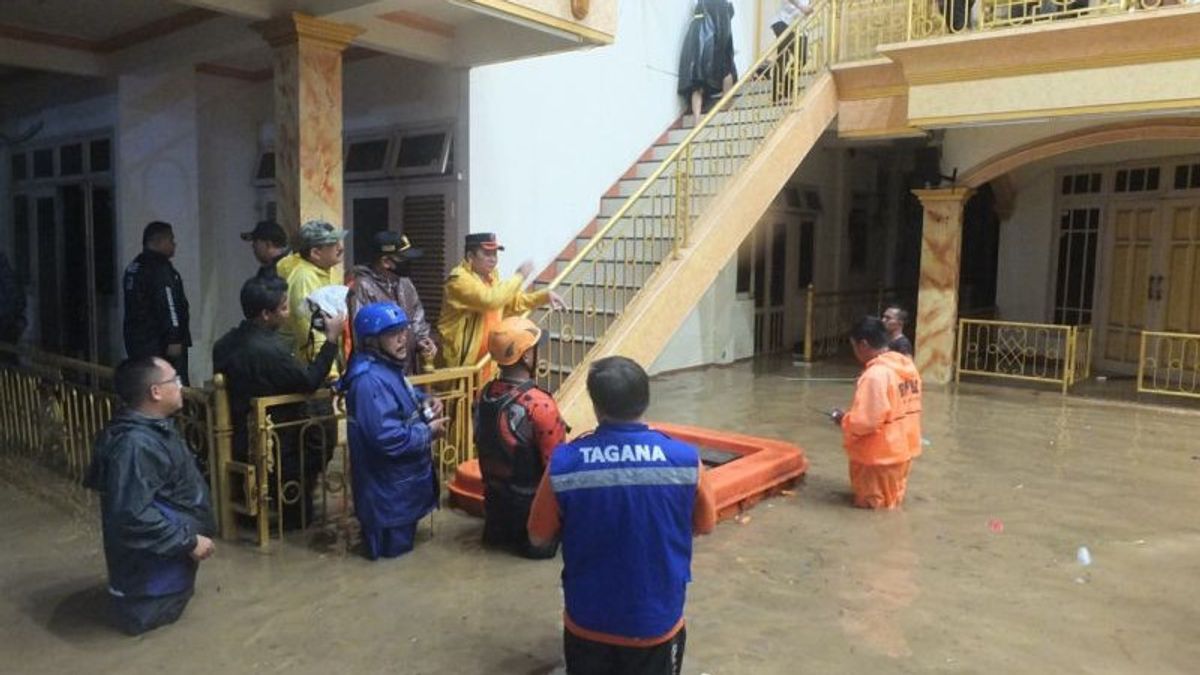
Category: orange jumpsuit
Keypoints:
(882, 430)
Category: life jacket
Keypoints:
(627, 494)
(515, 469)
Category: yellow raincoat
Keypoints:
(303, 278)
(471, 306)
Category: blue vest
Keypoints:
(626, 496)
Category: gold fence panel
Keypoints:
(53, 407)
(306, 434)
(1169, 364)
(1032, 352)
(828, 315)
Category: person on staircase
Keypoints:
(517, 426)
(706, 66)
(475, 300)
(882, 429)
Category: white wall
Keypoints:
(157, 146)
(228, 115)
(719, 330)
(549, 135)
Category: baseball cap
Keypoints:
(267, 230)
(320, 233)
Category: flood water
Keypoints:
(979, 573)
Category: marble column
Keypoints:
(308, 116)
(937, 298)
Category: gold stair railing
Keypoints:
(654, 223)
(866, 24)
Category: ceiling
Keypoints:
(88, 20)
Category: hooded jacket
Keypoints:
(391, 461)
(472, 305)
(883, 425)
(153, 503)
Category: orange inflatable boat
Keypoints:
(742, 469)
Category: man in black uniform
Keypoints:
(156, 309)
(269, 242)
(154, 504)
(257, 361)
(894, 318)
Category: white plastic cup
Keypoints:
(1084, 556)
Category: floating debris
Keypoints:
(996, 525)
(1083, 556)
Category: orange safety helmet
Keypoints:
(511, 338)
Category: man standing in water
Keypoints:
(882, 429)
(154, 504)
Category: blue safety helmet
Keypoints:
(378, 318)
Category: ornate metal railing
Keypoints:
(1169, 364)
(52, 408)
(866, 24)
(654, 223)
(1024, 351)
(296, 439)
(828, 315)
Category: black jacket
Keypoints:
(270, 271)
(153, 503)
(156, 309)
(258, 361)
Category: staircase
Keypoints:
(673, 222)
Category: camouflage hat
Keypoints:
(320, 233)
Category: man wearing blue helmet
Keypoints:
(391, 427)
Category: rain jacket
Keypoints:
(368, 286)
(707, 55)
(472, 305)
(257, 361)
(156, 309)
(153, 503)
(302, 279)
(883, 425)
(391, 461)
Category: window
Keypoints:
(804, 271)
(1081, 184)
(423, 153)
(43, 163)
(367, 157)
(20, 166)
(70, 159)
(1187, 176)
(1137, 180)
(1078, 237)
(100, 155)
(21, 253)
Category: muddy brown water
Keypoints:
(977, 574)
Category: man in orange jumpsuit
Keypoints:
(882, 429)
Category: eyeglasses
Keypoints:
(176, 380)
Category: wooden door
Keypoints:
(1131, 264)
(1177, 285)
